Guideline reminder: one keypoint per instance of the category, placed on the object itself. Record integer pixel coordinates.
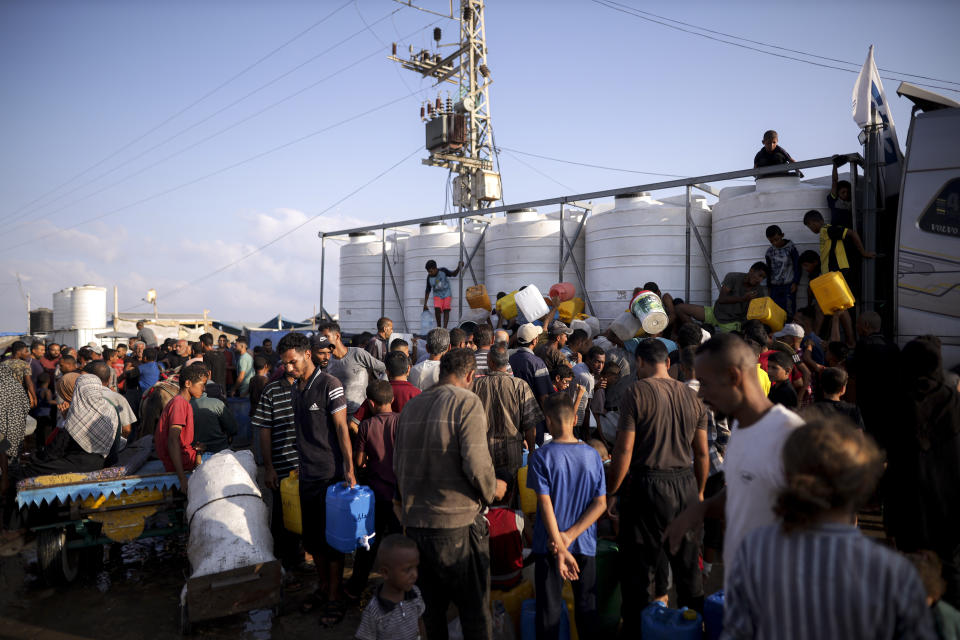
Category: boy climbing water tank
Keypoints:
(438, 282)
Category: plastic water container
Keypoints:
(528, 622)
(565, 623)
(570, 309)
(608, 587)
(657, 622)
(290, 502)
(507, 306)
(428, 321)
(768, 312)
(530, 303)
(648, 308)
(513, 601)
(577, 323)
(477, 297)
(713, 614)
(626, 326)
(350, 521)
(563, 290)
(832, 292)
(528, 497)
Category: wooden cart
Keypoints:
(75, 514)
(258, 586)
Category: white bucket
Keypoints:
(626, 326)
(648, 309)
(530, 303)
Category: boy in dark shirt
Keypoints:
(771, 154)
(833, 384)
(782, 392)
(262, 370)
(374, 453)
(838, 200)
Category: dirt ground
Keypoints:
(135, 596)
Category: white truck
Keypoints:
(928, 236)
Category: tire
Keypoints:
(58, 564)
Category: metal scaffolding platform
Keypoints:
(582, 203)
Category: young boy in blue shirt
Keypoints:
(438, 282)
(567, 476)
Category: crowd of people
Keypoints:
(715, 442)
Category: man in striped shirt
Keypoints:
(278, 444)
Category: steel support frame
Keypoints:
(579, 200)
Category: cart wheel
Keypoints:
(58, 564)
(185, 627)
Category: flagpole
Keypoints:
(871, 176)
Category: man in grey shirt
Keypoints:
(353, 367)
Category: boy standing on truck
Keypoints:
(438, 282)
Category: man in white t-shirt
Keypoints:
(726, 368)
(426, 373)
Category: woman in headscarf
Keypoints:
(14, 405)
(87, 433)
(921, 488)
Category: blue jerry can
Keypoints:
(349, 516)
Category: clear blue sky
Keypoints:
(572, 79)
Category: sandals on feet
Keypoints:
(314, 601)
(333, 613)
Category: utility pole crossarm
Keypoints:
(459, 135)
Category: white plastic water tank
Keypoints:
(642, 240)
(524, 248)
(742, 215)
(437, 241)
(361, 261)
(88, 307)
(62, 318)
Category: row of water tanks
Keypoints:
(637, 240)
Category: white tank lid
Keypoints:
(629, 200)
(428, 228)
(359, 237)
(519, 215)
(778, 183)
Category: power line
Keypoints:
(209, 117)
(173, 292)
(225, 129)
(632, 12)
(533, 168)
(774, 46)
(218, 171)
(592, 166)
(189, 106)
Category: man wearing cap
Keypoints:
(353, 367)
(528, 366)
(788, 340)
(549, 351)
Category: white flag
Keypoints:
(870, 108)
